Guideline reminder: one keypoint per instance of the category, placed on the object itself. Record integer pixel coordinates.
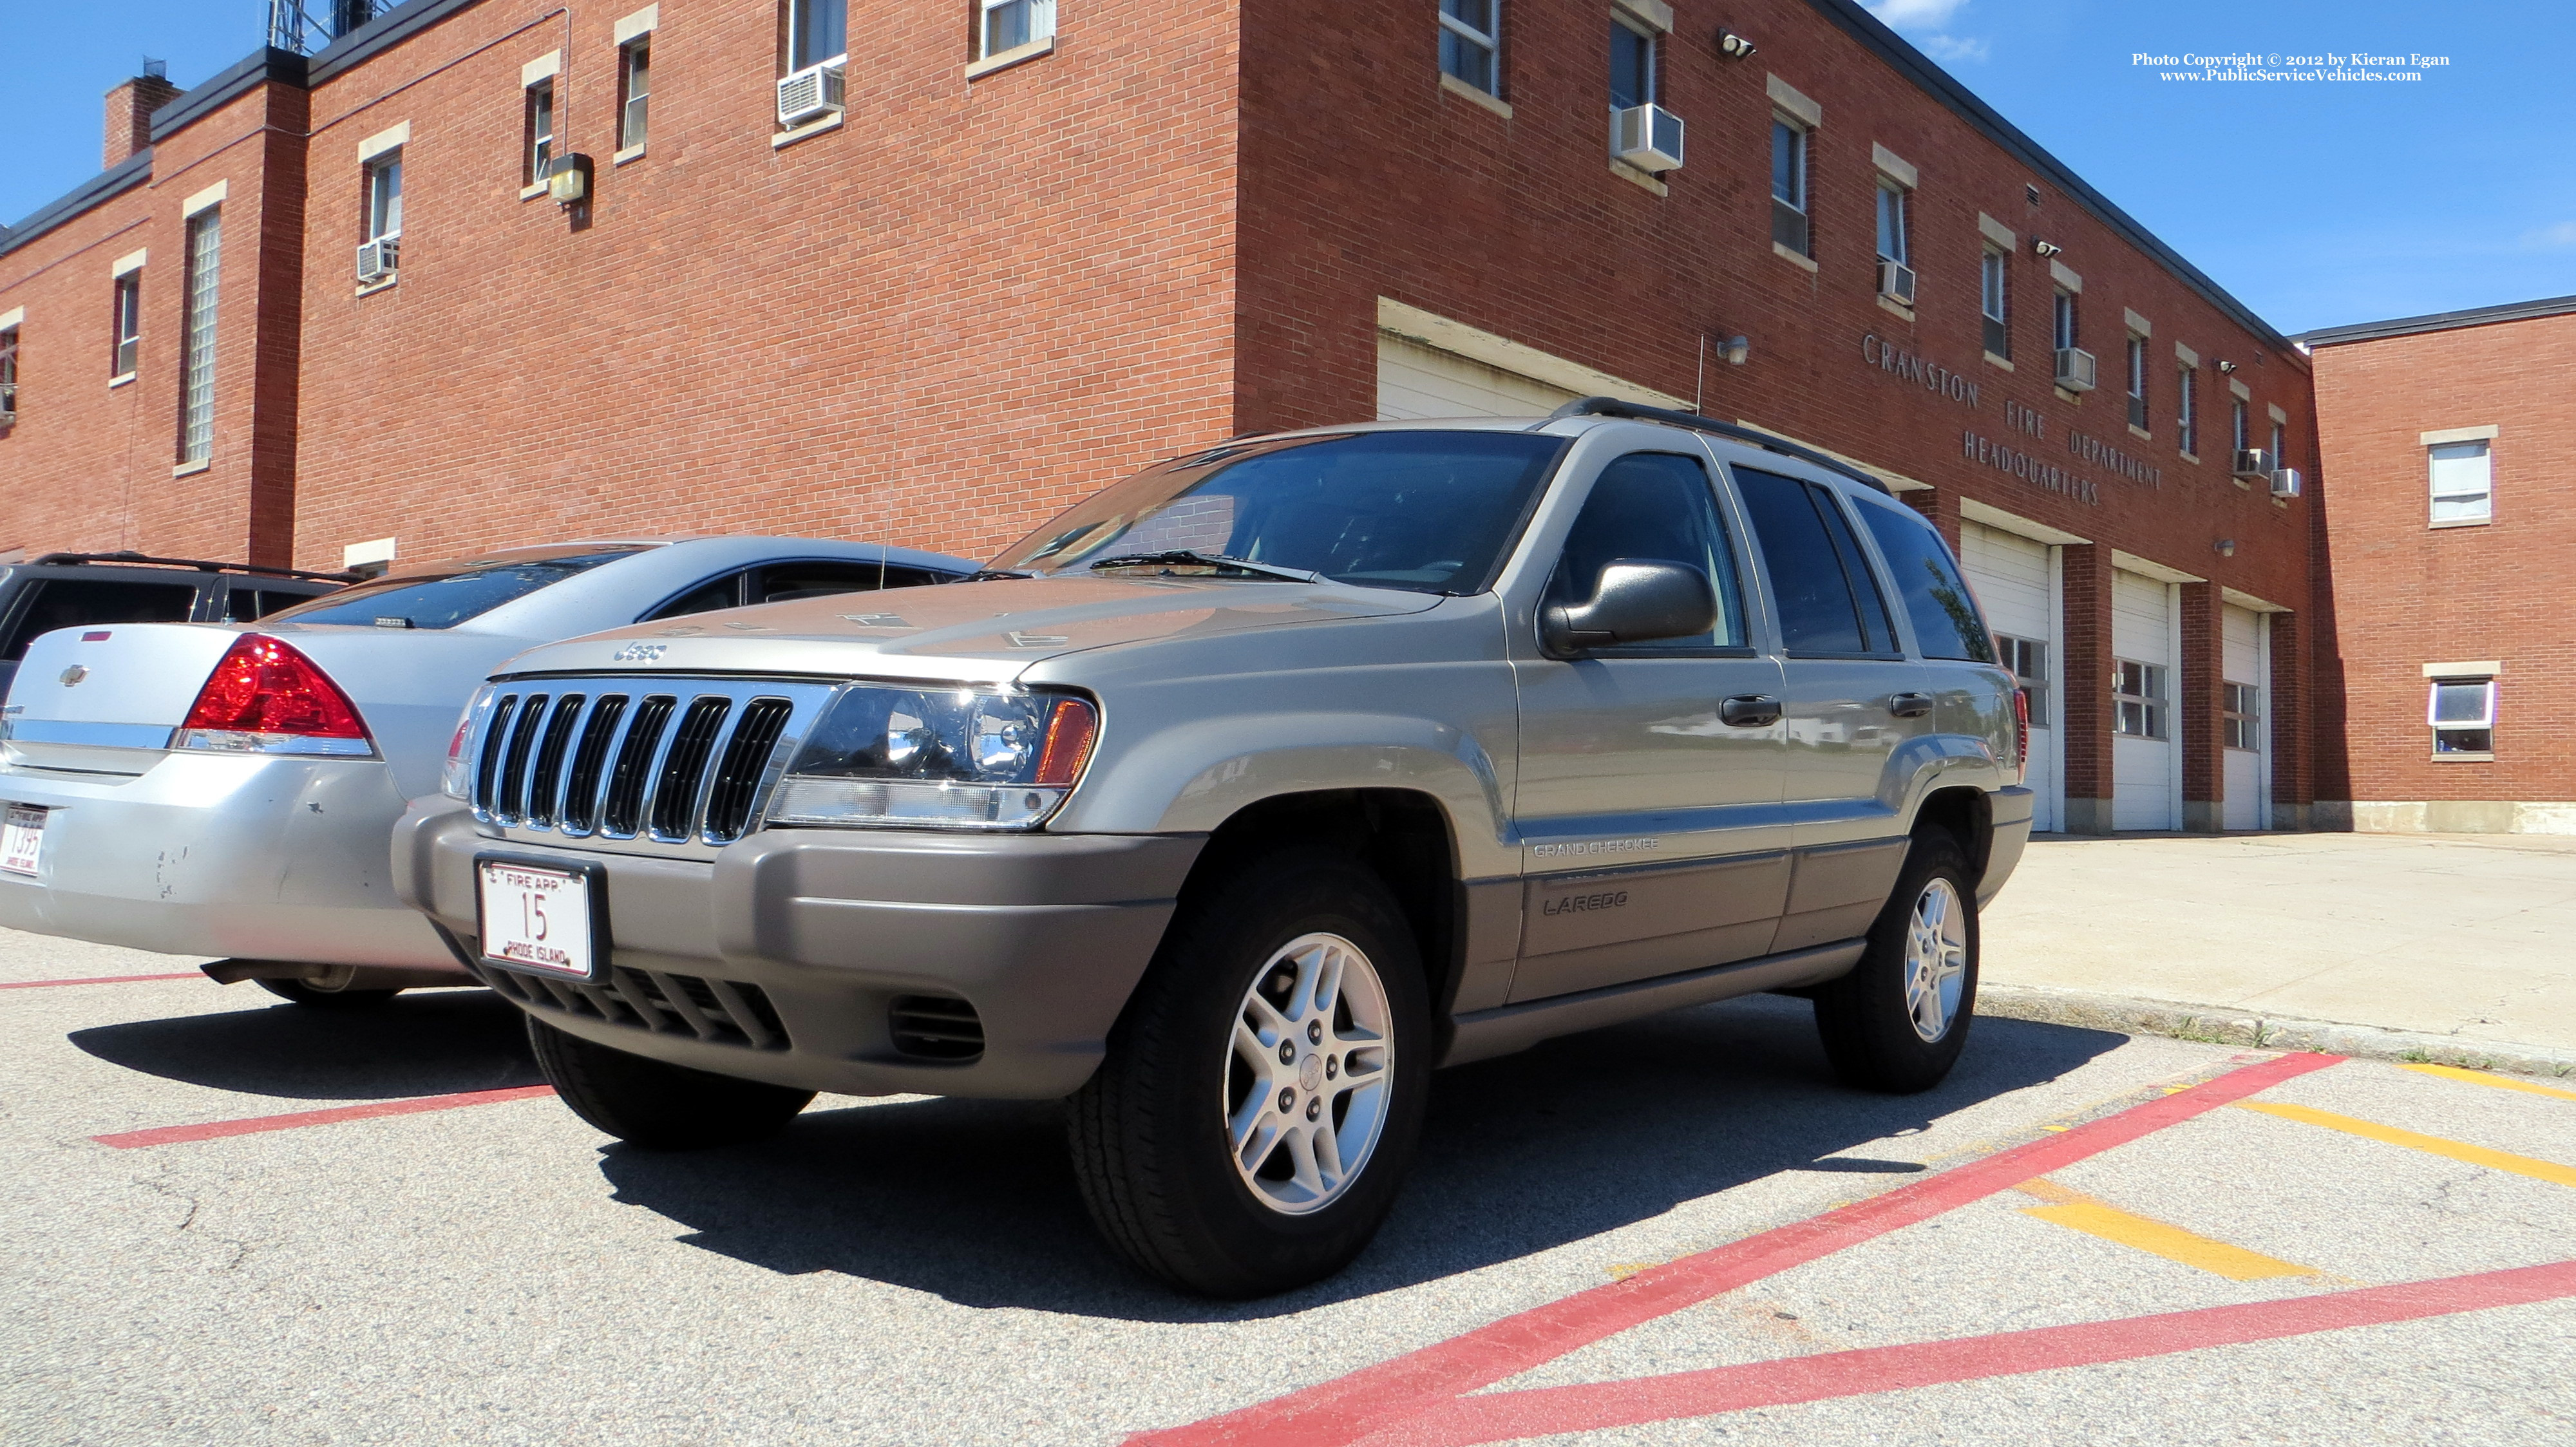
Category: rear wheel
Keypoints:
(658, 1106)
(1263, 1093)
(1898, 1021)
(329, 989)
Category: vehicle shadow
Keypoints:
(975, 1200)
(429, 1042)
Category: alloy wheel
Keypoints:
(1308, 1074)
(1936, 958)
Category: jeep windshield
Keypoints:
(1433, 512)
(445, 597)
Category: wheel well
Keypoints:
(1400, 834)
(1968, 817)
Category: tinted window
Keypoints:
(1936, 597)
(1827, 601)
(1653, 507)
(786, 582)
(724, 592)
(244, 604)
(443, 600)
(72, 602)
(1428, 511)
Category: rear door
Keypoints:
(1652, 841)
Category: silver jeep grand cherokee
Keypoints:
(1237, 798)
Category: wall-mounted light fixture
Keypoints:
(2044, 248)
(2227, 368)
(2226, 547)
(1732, 45)
(1735, 350)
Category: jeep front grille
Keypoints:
(725, 1012)
(665, 761)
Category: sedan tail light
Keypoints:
(267, 698)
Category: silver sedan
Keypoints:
(231, 789)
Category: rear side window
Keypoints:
(244, 605)
(1936, 597)
(442, 600)
(787, 582)
(707, 597)
(1828, 602)
(73, 602)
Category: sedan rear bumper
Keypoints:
(252, 857)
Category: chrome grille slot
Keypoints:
(623, 815)
(745, 762)
(514, 768)
(684, 767)
(545, 781)
(487, 768)
(589, 763)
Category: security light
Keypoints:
(1735, 350)
(1732, 45)
(2045, 248)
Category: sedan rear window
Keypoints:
(442, 600)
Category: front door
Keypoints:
(1649, 798)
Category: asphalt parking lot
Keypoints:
(317, 1227)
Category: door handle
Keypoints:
(1910, 705)
(1750, 711)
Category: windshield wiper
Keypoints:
(987, 575)
(1188, 557)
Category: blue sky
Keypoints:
(2317, 203)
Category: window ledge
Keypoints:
(530, 193)
(1994, 361)
(1799, 257)
(1644, 179)
(372, 287)
(2241, 484)
(631, 153)
(1487, 99)
(2464, 758)
(784, 139)
(2191, 457)
(185, 468)
(2064, 395)
(2140, 433)
(1011, 57)
(2461, 523)
(119, 380)
(1890, 303)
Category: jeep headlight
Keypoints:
(953, 758)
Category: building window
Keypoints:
(1789, 186)
(815, 32)
(2462, 713)
(2241, 708)
(8, 376)
(2240, 424)
(2463, 482)
(2138, 698)
(1891, 223)
(2187, 410)
(1994, 302)
(634, 91)
(1632, 65)
(384, 196)
(2027, 660)
(2137, 381)
(1471, 42)
(2062, 320)
(197, 339)
(128, 323)
(1010, 24)
(537, 150)
(2280, 445)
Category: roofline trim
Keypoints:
(115, 181)
(2515, 311)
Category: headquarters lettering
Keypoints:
(2030, 469)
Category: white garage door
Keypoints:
(1418, 381)
(2011, 578)
(2244, 667)
(2146, 783)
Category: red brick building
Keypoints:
(931, 272)
(2450, 438)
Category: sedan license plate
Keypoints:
(22, 839)
(535, 918)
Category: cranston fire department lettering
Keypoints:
(1577, 903)
(1930, 376)
(2103, 454)
(2030, 469)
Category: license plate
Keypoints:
(22, 839)
(536, 919)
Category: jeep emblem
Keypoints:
(638, 653)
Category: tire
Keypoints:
(328, 991)
(657, 1106)
(1881, 1031)
(1191, 1067)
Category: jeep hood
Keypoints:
(986, 631)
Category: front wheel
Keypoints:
(1264, 1090)
(1898, 1021)
(657, 1106)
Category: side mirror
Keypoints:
(1632, 602)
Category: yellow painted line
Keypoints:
(2079, 1212)
(2538, 1170)
(2483, 1077)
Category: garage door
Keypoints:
(1418, 381)
(2146, 783)
(2243, 667)
(2011, 578)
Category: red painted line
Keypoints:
(168, 1135)
(1352, 1407)
(1505, 1416)
(97, 980)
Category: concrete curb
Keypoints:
(2222, 1026)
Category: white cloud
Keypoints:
(1915, 14)
(1947, 47)
(2551, 238)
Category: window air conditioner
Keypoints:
(2075, 369)
(1896, 281)
(2253, 463)
(376, 258)
(809, 95)
(2285, 483)
(1647, 137)
(9, 404)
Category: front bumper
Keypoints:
(253, 857)
(784, 958)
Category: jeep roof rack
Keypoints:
(1613, 407)
(200, 564)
